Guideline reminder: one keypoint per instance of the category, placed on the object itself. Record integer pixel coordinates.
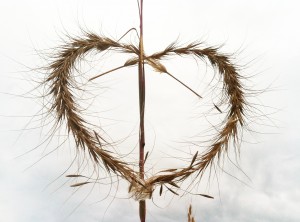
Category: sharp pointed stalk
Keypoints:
(109, 71)
(184, 85)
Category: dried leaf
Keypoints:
(74, 175)
(194, 158)
(174, 184)
(205, 195)
(130, 187)
(131, 62)
(146, 156)
(156, 65)
(79, 184)
(217, 108)
(172, 191)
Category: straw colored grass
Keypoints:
(61, 84)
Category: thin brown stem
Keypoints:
(189, 88)
(104, 73)
(142, 203)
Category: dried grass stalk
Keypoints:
(61, 84)
(234, 95)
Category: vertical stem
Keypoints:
(142, 203)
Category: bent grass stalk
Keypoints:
(61, 83)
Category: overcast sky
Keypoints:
(265, 38)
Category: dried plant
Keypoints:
(190, 216)
(61, 83)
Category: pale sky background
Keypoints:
(263, 34)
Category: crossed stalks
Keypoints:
(61, 83)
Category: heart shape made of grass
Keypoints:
(60, 83)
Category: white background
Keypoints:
(263, 34)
